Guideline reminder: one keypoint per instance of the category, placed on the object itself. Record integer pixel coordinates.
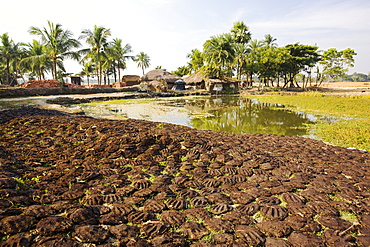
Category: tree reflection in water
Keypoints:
(228, 114)
(240, 115)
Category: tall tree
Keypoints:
(241, 36)
(241, 58)
(88, 69)
(219, 54)
(270, 41)
(303, 57)
(253, 57)
(98, 41)
(143, 61)
(240, 33)
(59, 43)
(120, 54)
(10, 53)
(335, 63)
(36, 59)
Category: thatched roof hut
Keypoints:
(160, 74)
(196, 80)
(200, 81)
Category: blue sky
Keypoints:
(167, 30)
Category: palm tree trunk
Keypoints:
(54, 69)
(119, 73)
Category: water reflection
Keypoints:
(228, 114)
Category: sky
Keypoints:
(167, 30)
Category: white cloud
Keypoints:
(168, 29)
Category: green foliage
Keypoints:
(181, 71)
(335, 63)
(59, 44)
(196, 60)
(218, 54)
(143, 61)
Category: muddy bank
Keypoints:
(26, 92)
(72, 181)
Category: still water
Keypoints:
(228, 114)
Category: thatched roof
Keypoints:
(195, 78)
(198, 78)
(160, 74)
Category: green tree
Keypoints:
(270, 63)
(253, 57)
(143, 61)
(240, 33)
(302, 58)
(335, 63)
(97, 53)
(270, 41)
(59, 44)
(36, 59)
(241, 36)
(87, 70)
(181, 71)
(119, 54)
(196, 60)
(10, 54)
(219, 53)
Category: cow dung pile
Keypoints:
(76, 181)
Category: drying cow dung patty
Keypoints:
(76, 181)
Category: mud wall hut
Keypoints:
(131, 80)
(160, 74)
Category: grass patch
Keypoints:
(8, 105)
(351, 127)
(346, 133)
(349, 217)
(320, 104)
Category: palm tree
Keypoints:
(87, 70)
(10, 53)
(119, 54)
(196, 60)
(240, 33)
(59, 44)
(98, 41)
(143, 61)
(219, 54)
(270, 41)
(241, 58)
(253, 58)
(36, 59)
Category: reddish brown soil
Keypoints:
(70, 181)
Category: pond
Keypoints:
(228, 114)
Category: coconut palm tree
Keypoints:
(143, 60)
(36, 59)
(219, 54)
(59, 44)
(270, 41)
(253, 55)
(119, 54)
(10, 54)
(87, 70)
(98, 41)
